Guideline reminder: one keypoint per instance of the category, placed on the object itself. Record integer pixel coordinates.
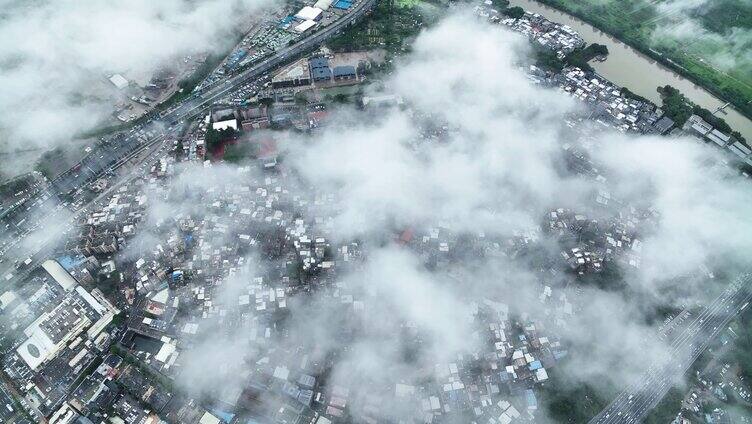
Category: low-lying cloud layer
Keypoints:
(679, 25)
(494, 172)
(491, 113)
(57, 56)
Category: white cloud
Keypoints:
(498, 170)
(57, 55)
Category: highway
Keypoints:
(188, 108)
(630, 406)
(634, 403)
(47, 206)
(62, 219)
(101, 160)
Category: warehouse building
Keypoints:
(320, 70)
(343, 4)
(321, 74)
(119, 81)
(49, 333)
(293, 75)
(344, 73)
(305, 26)
(59, 274)
(323, 4)
(309, 13)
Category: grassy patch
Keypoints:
(667, 409)
(240, 152)
(407, 3)
(679, 109)
(567, 400)
(698, 56)
(390, 28)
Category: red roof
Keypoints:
(267, 148)
(318, 114)
(406, 236)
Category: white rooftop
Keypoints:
(223, 125)
(305, 26)
(6, 299)
(36, 349)
(308, 13)
(208, 419)
(59, 274)
(119, 81)
(323, 4)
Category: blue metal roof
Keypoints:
(70, 262)
(340, 71)
(319, 62)
(343, 4)
(321, 73)
(223, 415)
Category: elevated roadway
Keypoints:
(634, 403)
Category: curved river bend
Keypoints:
(627, 67)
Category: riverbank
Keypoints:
(628, 67)
(719, 84)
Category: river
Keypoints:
(629, 68)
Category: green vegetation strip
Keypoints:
(677, 107)
(634, 23)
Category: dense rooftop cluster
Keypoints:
(198, 292)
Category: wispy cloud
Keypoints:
(57, 56)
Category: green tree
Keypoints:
(631, 95)
(675, 105)
(500, 4)
(546, 59)
(214, 138)
(581, 57)
(596, 49)
(301, 99)
(515, 12)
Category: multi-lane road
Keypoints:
(59, 221)
(631, 406)
(40, 209)
(634, 403)
(195, 103)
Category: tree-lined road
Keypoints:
(633, 404)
